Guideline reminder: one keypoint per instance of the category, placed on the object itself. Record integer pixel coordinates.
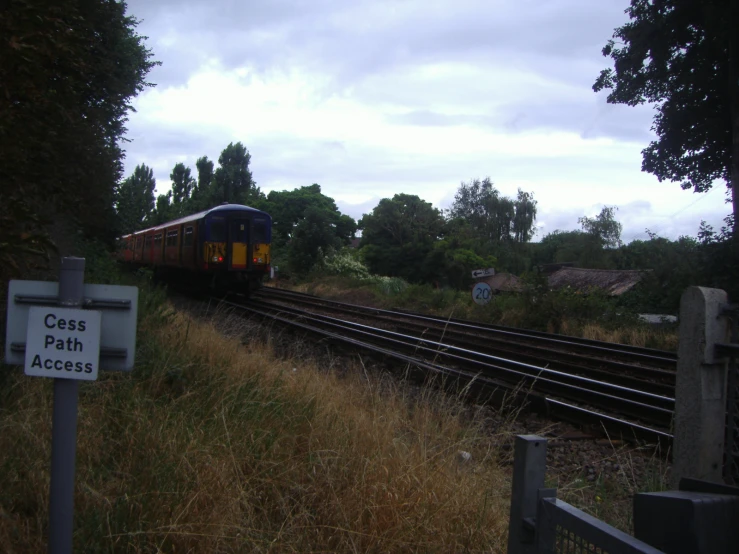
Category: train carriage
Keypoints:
(226, 247)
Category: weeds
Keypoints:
(211, 445)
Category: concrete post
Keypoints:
(700, 394)
(529, 468)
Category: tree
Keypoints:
(495, 218)
(313, 238)
(288, 208)
(134, 202)
(164, 210)
(233, 179)
(201, 192)
(524, 216)
(398, 235)
(561, 247)
(68, 74)
(603, 228)
(182, 186)
(682, 56)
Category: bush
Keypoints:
(346, 265)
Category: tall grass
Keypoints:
(214, 445)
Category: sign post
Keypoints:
(68, 331)
(64, 424)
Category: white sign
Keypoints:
(63, 342)
(118, 304)
(482, 293)
(483, 272)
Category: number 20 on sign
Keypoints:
(482, 293)
(63, 343)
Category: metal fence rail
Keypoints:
(731, 444)
(731, 460)
(563, 529)
(698, 518)
(540, 523)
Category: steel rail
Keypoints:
(475, 379)
(647, 355)
(654, 380)
(649, 407)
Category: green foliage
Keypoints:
(288, 208)
(307, 225)
(495, 218)
(594, 247)
(452, 264)
(673, 265)
(68, 74)
(345, 264)
(200, 196)
(164, 210)
(134, 201)
(388, 286)
(398, 235)
(182, 187)
(677, 55)
(313, 238)
(23, 242)
(233, 182)
(603, 228)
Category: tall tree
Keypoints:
(495, 218)
(233, 179)
(201, 193)
(314, 236)
(182, 186)
(603, 228)
(134, 201)
(68, 74)
(164, 210)
(682, 56)
(524, 216)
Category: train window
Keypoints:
(147, 242)
(260, 230)
(217, 230)
(157, 240)
(138, 242)
(172, 238)
(187, 240)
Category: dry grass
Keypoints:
(213, 446)
(635, 336)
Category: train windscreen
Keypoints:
(217, 230)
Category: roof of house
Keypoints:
(505, 282)
(614, 282)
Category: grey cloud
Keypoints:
(586, 118)
(334, 36)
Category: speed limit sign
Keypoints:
(482, 293)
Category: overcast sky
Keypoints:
(370, 98)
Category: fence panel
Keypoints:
(563, 529)
(731, 443)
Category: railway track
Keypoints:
(625, 390)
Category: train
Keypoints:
(225, 248)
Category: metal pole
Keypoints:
(64, 426)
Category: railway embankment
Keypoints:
(230, 438)
(214, 444)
